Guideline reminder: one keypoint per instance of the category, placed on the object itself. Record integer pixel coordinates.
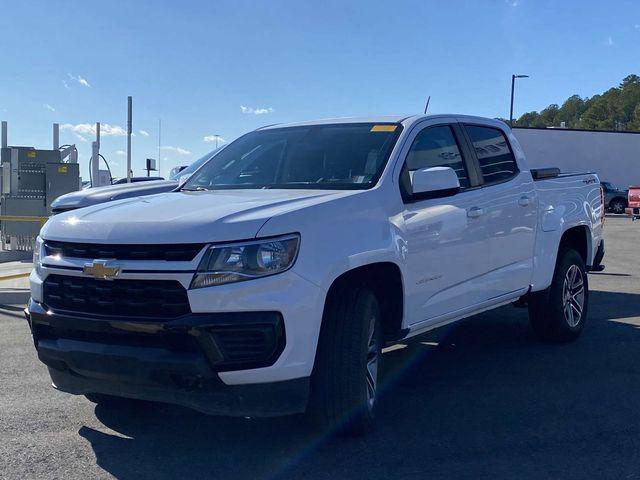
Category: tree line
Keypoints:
(616, 109)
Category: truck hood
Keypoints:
(93, 196)
(182, 217)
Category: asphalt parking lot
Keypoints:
(482, 400)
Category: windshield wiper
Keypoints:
(196, 189)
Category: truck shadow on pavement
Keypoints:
(486, 401)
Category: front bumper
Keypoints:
(176, 361)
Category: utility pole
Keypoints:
(513, 84)
(56, 136)
(159, 137)
(5, 141)
(129, 122)
(95, 159)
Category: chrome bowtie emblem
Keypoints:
(99, 270)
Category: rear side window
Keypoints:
(496, 160)
(437, 147)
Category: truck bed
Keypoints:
(573, 198)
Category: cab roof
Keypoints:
(405, 120)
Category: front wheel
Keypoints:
(559, 313)
(345, 378)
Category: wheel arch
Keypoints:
(385, 280)
(577, 238)
(617, 197)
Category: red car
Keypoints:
(634, 203)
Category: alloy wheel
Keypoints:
(573, 296)
(373, 358)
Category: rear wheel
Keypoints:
(617, 205)
(559, 313)
(345, 378)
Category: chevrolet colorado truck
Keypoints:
(270, 281)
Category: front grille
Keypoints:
(120, 298)
(176, 252)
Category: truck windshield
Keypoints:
(194, 166)
(334, 156)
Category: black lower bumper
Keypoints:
(169, 361)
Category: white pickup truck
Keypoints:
(270, 281)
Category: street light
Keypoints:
(513, 84)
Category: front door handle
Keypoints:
(524, 201)
(475, 212)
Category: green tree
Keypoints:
(615, 109)
(571, 111)
(634, 123)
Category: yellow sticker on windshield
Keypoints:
(384, 128)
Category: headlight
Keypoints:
(37, 255)
(247, 260)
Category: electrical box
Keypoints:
(151, 165)
(61, 178)
(31, 180)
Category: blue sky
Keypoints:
(227, 67)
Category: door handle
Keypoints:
(475, 212)
(524, 201)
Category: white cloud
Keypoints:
(48, 107)
(637, 26)
(178, 150)
(89, 129)
(78, 78)
(144, 133)
(609, 42)
(513, 3)
(121, 153)
(256, 111)
(212, 138)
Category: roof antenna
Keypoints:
(426, 107)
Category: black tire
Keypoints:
(341, 390)
(554, 316)
(617, 205)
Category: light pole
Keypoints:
(513, 84)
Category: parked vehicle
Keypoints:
(121, 189)
(615, 198)
(634, 203)
(120, 181)
(270, 281)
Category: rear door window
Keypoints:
(495, 158)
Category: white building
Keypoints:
(614, 156)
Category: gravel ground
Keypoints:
(487, 401)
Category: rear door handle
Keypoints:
(524, 201)
(475, 212)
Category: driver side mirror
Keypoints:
(434, 182)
